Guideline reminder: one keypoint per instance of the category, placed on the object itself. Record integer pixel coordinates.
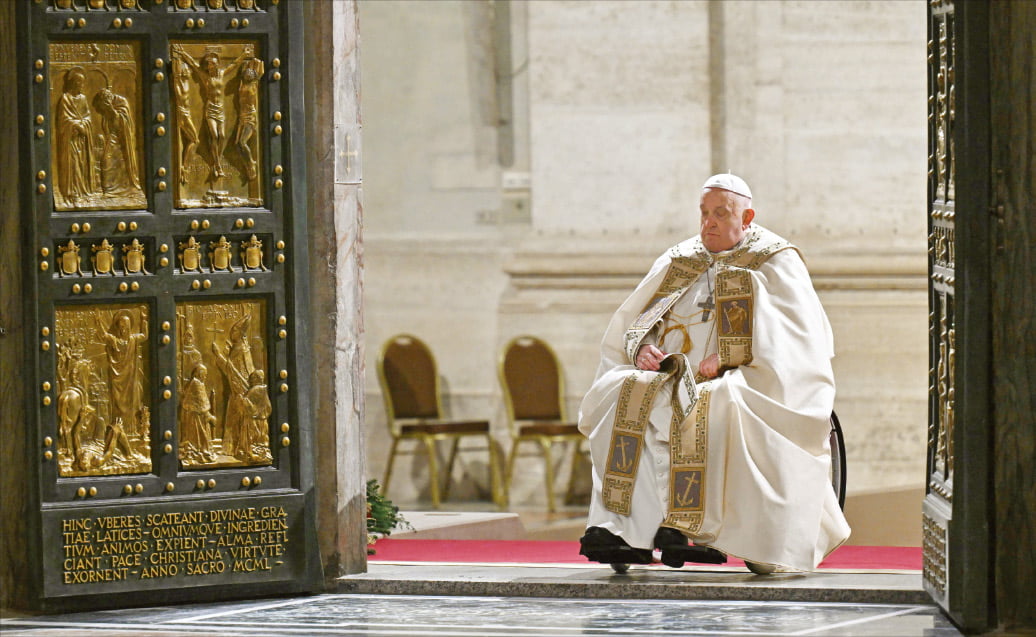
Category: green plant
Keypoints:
(382, 516)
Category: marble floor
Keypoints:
(349, 614)
(516, 600)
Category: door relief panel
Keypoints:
(103, 257)
(225, 407)
(216, 93)
(227, 253)
(95, 96)
(103, 403)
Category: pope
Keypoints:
(708, 418)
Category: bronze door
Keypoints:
(163, 141)
(957, 537)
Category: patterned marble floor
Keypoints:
(396, 615)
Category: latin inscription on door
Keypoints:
(156, 545)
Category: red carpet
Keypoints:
(898, 558)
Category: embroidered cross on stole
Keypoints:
(689, 425)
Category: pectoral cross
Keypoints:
(707, 306)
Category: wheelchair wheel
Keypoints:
(621, 569)
(760, 569)
(837, 460)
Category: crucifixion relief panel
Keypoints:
(215, 93)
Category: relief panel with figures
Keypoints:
(942, 110)
(224, 407)
(103, 411)
(96, 160)
(215, 92)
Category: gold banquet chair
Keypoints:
(410, 386)
(534, 393)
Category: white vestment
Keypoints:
(767, 494)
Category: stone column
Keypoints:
(333, 135)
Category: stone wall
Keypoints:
(627, 107)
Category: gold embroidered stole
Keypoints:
(636, 397)
(735, 303)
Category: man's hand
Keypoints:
(649, 357)
(709, 367)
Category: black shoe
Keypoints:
(600, 545)
(667, 537)
(673, 545)
(676, 549)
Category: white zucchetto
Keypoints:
(727, 181)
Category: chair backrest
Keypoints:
(532, 381)
(409, 379)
